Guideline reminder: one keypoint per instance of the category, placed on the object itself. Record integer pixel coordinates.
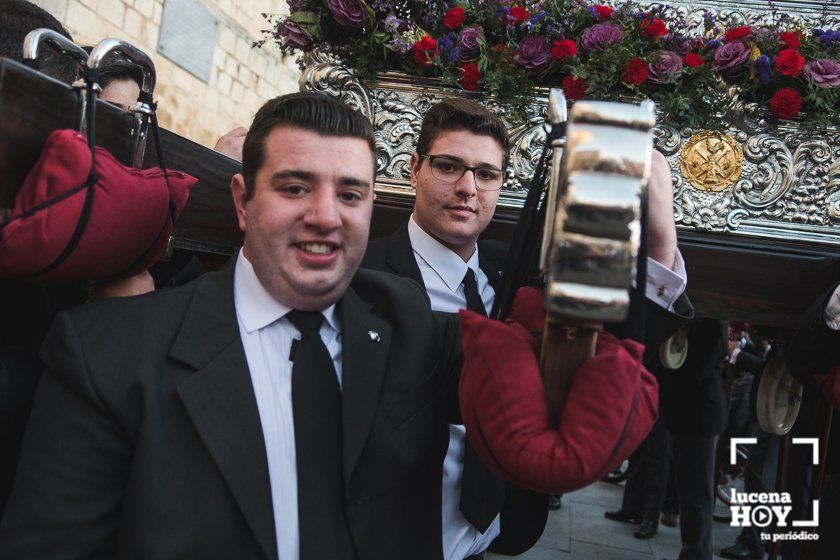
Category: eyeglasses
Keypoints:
(450, 170)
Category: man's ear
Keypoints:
(414, 168)
(237, 190)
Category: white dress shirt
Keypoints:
(267, 338)
(443, 271)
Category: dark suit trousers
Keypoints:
(760, 476)
(694, 476)
(648, 476)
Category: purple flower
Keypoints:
(731, 55)
(601, 35)
(764, 35)
(430, 18)
(714, 43)
(468, 42)
(445, 43)
(393, 24)
(824, 73)
(826, 36)
(685, 46)
(349, 13)
(534, 52)
(664, 67)
(401, 45)
(384, 6)
(762, 68)
(448, 47)
(295, 36)
(829, 37)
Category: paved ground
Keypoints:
(579, 531)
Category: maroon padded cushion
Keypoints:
(129, 223)
(610, 410)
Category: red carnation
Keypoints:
(789, 63)
(564, 49)
(786, 103)
(604, 12)
(653, 27)
(694, 60)
(425, 50)
(574, 88)
(471, 76)
(791, 39)
(453, 18)
(505, 54)
(519, 14)
(636, 72)
(737, 33)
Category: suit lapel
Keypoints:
(400, 256)
(365, 343)
(220, 401)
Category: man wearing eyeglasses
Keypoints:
(457, 172)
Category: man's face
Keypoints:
(456, 213)
(121, 92)
(306, 225)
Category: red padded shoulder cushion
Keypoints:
(129, 224)
(610, 410)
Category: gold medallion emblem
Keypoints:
(711, 161)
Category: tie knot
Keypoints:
(469, 278)
(306, 321)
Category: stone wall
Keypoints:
(242, 77)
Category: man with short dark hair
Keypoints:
(17, 19)
(288, 407)
(457, 171)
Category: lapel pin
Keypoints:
(374, 336)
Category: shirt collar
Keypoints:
(445, 262)
(255, 307)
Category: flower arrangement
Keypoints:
(508, 47)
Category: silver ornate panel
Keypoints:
(789, 183)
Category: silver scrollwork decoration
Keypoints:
(789, 184)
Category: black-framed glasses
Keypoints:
(449, 170)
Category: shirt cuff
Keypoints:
(665, 285)
(832, 311)
(734, 357)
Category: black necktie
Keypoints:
(316, 406)
(482, 492)
(474, 302)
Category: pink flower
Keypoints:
(823, 72)
(600, 36)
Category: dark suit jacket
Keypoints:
(815, 349)
(525, 513)
(145, 440)
(692, 398)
